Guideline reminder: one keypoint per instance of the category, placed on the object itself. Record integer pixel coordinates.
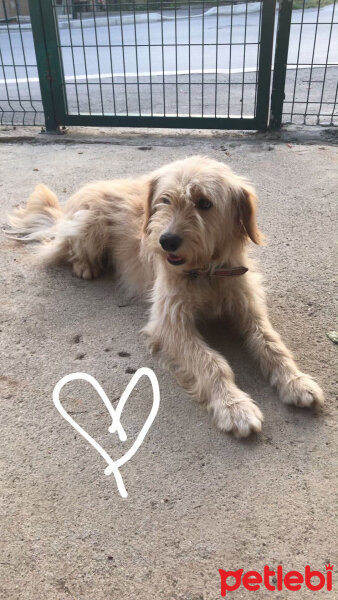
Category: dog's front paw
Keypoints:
(302, 391)
(237, 414)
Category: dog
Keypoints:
(179, 235)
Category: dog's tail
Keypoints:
(36, 220)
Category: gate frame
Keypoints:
(54, 99)
(49, 62)
(280, 63)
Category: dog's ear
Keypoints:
(148, 209)
(247, 214)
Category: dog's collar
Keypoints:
(219, 271)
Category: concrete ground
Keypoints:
(198, 500)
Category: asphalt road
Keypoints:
(138, 47)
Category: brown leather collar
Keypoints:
(219, 271)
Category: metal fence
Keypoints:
(163, 64)
(20, 96)
(168, 63)
(312, 65)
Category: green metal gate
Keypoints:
(131, 68)
(168, 63)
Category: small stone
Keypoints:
(123, 354)
(333, 336)
(130, 370)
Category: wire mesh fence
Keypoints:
(312, 75)
(20, 97)
(195, 60)
(198, 60)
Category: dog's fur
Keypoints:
(119, 223)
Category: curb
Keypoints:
(163, 137)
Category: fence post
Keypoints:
(280, 66)
(49, 62)
(265, 60)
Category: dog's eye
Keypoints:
(165, 200)
(204, 204)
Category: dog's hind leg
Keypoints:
(75, 237)
(75, 242)
(90, 246)
(85, 267)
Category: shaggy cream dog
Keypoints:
(180, 234)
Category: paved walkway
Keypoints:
(198, 500)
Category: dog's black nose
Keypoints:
(170, 241)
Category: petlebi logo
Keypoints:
(115, 413)
(291, 580)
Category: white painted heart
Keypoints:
(113, 465)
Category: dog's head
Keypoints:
(198, 212)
